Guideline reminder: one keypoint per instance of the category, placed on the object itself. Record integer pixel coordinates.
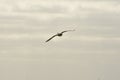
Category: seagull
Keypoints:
(58, 34)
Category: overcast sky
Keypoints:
(92, 52)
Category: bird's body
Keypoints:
(58, 34)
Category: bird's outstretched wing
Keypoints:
(50, 38)
(67, 31)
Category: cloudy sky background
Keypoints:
(90, 53)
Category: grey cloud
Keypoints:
(96, 24)
(82, 54)
(53, 9)
(20, 24)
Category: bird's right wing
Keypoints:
(67, 31)
(50, 38)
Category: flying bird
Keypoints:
(58, 34)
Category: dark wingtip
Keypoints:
(46, 41)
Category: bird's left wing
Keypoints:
(50, 38)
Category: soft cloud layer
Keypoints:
(90, 52)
